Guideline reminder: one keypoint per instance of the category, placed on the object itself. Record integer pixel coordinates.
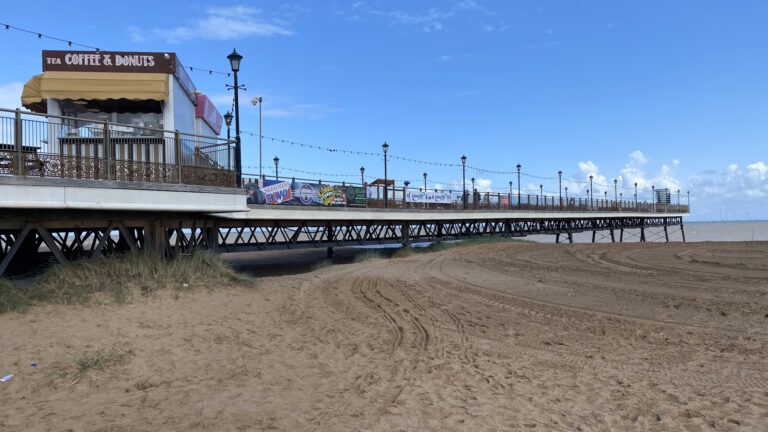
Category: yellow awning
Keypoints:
(95, 86)
(30, 95)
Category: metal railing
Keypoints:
(526, 202)
(398, 199)
(45, 145)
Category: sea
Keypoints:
(694, 232)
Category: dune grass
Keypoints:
(119, 278)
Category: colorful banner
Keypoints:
(333, 196)
(277, 193)
(304, 194)
(355, 196)
(417, 196)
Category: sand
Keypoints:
(511, 336)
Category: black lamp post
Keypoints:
(689, 199)
(591, 193)
(678, 197)
(228, 122)
(653, 198)
(518, 186)
(362, 176)
(566, 196)
(541, 194)
(425, 189)
(635, 194)
(234, 62)
(474, 204)
(615, 192)
(560, 187)
(385, 147)
(277, 161)
(510, 194)
(464, 181)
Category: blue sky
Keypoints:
(670, 94)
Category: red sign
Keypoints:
(207, 111)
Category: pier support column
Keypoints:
(642, 230)
(613, 237)
(593, 235)
(405, 236)
(557, 238)
(155, 238)
(329, 252)
(666, 233)
(212, 239)
(682, 231)
(621, 235)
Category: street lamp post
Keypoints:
(228, 122)
(464, 181)
(510, 194)
(541, 194)
(257, 101)
(385, 147)
(560, 187)
(689, 199)
(518, 186)
(635, 195)
(566, 196)
(362, 176)
(474, 204)
(277, 161)
(621, 199)
(678, 197)
(234, 62)
(615, 192)
(591, 193)
(653, 198)
(425, 189)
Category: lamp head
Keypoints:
(463, 159)
(234, 60)
(518, 167)
(228, 118)
(362, 170)
(276, 159)
(385, 147)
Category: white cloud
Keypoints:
(10, 95)
(431, 20)
(219, 23)
(731, 194)
(483, 185)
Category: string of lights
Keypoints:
(71, 43)
(41, 35)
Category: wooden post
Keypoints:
(17, 140)
(177, 144)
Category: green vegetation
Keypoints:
(117, 278)
(103, 358)
(323, 263)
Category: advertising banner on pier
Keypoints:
(306, 194)
(333, 196)
(277, 193)
(417, 196)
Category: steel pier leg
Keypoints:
(621, 235)
(666, 234)
(613, 237)
(16, 245)
(212, 239)
(683, 232)
(329, 252)
(642, 233)
(557, 238)
(593, 235)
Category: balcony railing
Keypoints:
(43, 145)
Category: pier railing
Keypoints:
(44, 145)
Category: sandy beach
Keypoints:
(506, 336)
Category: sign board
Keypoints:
(207, 111)
(108, 61)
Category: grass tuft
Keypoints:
(103, 358)
(117, 278)
(323, 263)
